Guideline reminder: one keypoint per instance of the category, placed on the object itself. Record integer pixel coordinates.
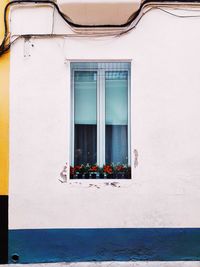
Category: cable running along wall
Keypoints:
(126, 27)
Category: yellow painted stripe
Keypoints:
(4, 110)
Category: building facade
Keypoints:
(103, 141)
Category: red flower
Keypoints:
(72, 170)
(93, 168)
(107, 169)
(120, 168)
(78, 167)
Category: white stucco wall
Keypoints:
(165, 82)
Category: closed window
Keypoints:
(100, 120)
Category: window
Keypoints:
(100, 120)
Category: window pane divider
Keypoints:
(101, 116)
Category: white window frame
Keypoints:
(100, 115)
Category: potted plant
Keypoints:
(120, 170)
(108, 170)
(79, 171)
(93, 170)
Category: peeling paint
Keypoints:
(135, 158)
(63, 174)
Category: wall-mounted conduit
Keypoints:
(94, 30)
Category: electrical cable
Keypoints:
(176, 15)
(4, 46)
(166, 11)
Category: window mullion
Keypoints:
(98, 117)
(101, 102)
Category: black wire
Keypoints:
(71, 23)
(4, 47)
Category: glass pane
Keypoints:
(85, 94)
(85, 117)
(116, 89)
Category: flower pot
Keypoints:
(93, 175)
(109, 176)
(119, 175)
(80, 175)
(101, 175)
(87, 176)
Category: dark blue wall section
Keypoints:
(3, 229)
(118, 244)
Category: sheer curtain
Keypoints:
(85, 117)
(116, 92)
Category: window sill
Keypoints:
(99, 183)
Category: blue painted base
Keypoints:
(127, 244)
